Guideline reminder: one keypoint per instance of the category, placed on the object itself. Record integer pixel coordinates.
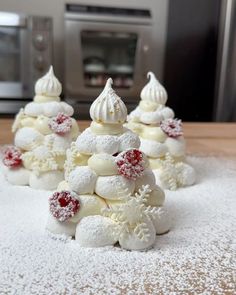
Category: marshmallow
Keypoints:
(86, 142)
(48, 109)
(103, 164)
(112, 187)
(95, 231)
(167, 113)
(51, 109)
(82, 180)
(156, 197)
(63, 186)
(74, 129)
(33, 109)
(163, 223)
(147, 178)
(153, 133)
(17, 176)
(152, 148)
(107, 144)
(67, 109)
(176, 146)
(89, 205)
(103, 128)
(151, 117)
(28, 122)
(128, 140)
(45, 98)
(41, 124)
(60, 228)
(136, 127)
(130, 241)
(134, 116)
(28, 138)
(46, 181)
(148, 106)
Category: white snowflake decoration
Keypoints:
(43, 158)
(131, 214)
(71, 159)
(171, 172)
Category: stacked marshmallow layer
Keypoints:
(108, 204)
(43, 130)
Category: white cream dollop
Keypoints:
(154, 91)
(48, 85)
(108, 107)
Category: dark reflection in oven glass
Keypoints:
(108, 54)
(9, 54)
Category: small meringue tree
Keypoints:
(161, 137)
(109, 194)
(43, 131)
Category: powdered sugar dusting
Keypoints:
(195, 257)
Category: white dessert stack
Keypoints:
(161, 137)
(43, 131)
(109, 194)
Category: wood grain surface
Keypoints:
(218, 139)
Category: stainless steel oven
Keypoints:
(102, 42)
(25, 54)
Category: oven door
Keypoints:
(13, 54)
(98, 50)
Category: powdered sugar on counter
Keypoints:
(195, 257)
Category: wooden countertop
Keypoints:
(218, 139)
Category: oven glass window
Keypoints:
(108, 54)
(9, 54)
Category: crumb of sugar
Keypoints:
(195, 257)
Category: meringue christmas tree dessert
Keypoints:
(161, 137)
(109, 194)
(43, 130)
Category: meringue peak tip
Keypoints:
(51, 71)
(151, 75)
(109, 82)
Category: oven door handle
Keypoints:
(8, 19)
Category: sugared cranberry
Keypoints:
(130, 164)
(63, 205)
(12, 157)
(61, 124)
(172, 127)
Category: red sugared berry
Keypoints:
(130, 164)
(63, 205)
(60, 124)
(172, 127)
(12, 157)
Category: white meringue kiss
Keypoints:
(154, 91)
(48, 85)
(108, 107)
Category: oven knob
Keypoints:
(39, 63)
(40, 41)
